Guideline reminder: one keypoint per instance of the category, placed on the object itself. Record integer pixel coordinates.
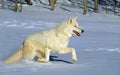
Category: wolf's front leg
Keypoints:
(69, 50)
(47, 56)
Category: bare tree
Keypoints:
(96, 5)
(106, 9)
(85, 7)
(53, 2)
(114, 6)
(49, 1)
(16, 6)
(20, 6)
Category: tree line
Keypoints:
(96, 5)
(52, 4)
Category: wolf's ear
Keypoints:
(75, 17)
(70, 20)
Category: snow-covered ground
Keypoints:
(98, 48)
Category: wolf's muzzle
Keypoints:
(78, 33)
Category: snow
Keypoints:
(98, 48)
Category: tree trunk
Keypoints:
(53, 4)
(96, 5)
(106, 6)
(49, 1)
(85, 7)
(20, 6)
(114, 5)
(16, 6)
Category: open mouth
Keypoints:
(76, 32)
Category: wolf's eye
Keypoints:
(75, 26)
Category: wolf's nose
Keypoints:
(82, 31)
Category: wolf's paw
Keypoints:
(42, 60)
(74, 59)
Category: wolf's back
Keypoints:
(15, 57)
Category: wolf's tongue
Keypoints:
(77, 33)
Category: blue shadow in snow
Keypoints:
(55, 58)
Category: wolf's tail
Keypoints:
(15, 57)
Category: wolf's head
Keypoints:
(73, 27)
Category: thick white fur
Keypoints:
(42, 43)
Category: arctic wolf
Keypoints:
(41, 44)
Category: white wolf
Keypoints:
(41, 44)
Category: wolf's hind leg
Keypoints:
(69, 50)
(29, 51)
(41, 56)
(45, 56)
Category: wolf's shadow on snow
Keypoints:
(55, 58)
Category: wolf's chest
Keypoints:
(58, 44)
